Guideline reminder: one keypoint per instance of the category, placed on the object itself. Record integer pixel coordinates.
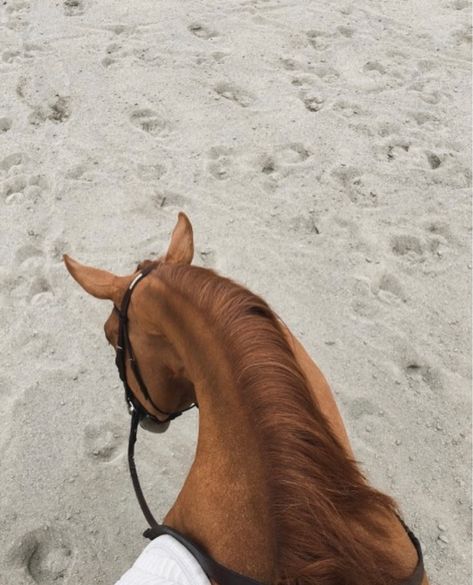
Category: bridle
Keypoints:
(140, 416)
(146, 419)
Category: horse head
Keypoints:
(153, 369)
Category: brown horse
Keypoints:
(274, 492)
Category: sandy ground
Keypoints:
(322, 151)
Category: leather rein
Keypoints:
(139, 416)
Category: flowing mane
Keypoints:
(318, 494)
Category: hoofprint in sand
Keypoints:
(322, 153)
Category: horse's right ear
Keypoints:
(97, 282)
(181, 246)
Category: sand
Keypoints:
(322, 152)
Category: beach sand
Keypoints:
(322, 153)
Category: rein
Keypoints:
(211, 567)
(139, 416)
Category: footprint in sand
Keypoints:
(114, 53)
(219, 56)
(45, 101)
(327, 73)
(129, 54)
(387, 128)
(267, 164)
(439, 228)
(312, 103)
(17, 12)
(462, 36)
(412, 249)
(374, 67)
(318, 40)
(40, 291)
(44, 556)
(284, 160)
(30, 283)
(349, 109)
(304, 224)
(11, 161)
(11, 56)
(294, 153)
(388, 288)
(426, 91)
(417, 370)
(104, 442)
(220, 163)
(425, 119)
(394, 150)
(359, 188)
(407, 246)
(74, 7)
(151, 172)
(148, 121)
(26, 52)
(321, 40)
(5, 124)
(57, 109)
(28, 252)
(13, 189)
(362, 303)
(346, 31)
(22, 188)
(235, 94)
(433, 160)
(460, 4)
(80, 172)
(147, 55)
(117, 50)
(202, 31)
(290, 64)
(170, 199)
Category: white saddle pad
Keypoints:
(165, 561)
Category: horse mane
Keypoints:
(318, 494)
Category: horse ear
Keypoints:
(99, 283)
(181, 246)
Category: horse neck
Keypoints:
(224, 502)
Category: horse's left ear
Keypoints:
(99, 283)
(181, 246)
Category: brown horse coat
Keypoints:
(274, 491)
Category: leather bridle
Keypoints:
(123, 348)
(140, 416)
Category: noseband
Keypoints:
(139, 415)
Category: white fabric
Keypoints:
(165, 561)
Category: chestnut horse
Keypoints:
(274, 492)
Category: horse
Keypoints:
(274, 492)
